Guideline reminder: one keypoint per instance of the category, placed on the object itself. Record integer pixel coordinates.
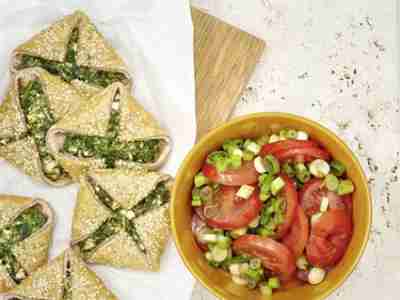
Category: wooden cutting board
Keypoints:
(225, 57)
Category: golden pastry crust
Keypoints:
(92, 119)
(48, 282)
(120, 249)
(23, 153)
(93, 50)
(31, 252)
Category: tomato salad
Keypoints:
(273, 209)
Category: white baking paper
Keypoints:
(155, 39)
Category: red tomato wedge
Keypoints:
(296, 239)
(330, 236)
(302, 154)
(274, 255)
(312, 193)
(198, 226)
(289, 194)
(246, 174)
(285, 145)
(228, 211)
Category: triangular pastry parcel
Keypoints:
(26, 226)
(35, 101)
(110, 130)
(132, 226)
(64, 278)
(73, 49)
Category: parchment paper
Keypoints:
(155, 39)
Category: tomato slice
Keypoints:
(274, 255)
(330, 236)
(302, 154)
(297, 237)
(198, 226)
(289, 194)
(246, 174)
(228, 211)
(285, 145)
(312, 193)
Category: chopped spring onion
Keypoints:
(251, 146)
(234, 269)
(238, 280)
(219, 254)
(331, 182)
(316, 275)
(231, 146)
(302, 173)
(245, 191)
(200, 179)
(302, 135)
(209, 238)
(302, 263)
(274, 283)
(209, 256)
(247, 155)
(338, 169)
(288, 169)
(291, 134)
(264, 196)
(259, 165)
(277, 185)
(219, 159)
(345, 187)
(235, 161)
(243, 268)
(323, 207)
(236, 233)
(315, 217)
(255, 263)
(265, 289)
(272, 164)
(319, 168)
(274, 138)
(254, 274)
(223, 241)
(237, 152)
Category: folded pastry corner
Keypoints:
(73, 49)
(26, 226)
(121, 218)
(35, 101)
(64, 278)
(110, 130)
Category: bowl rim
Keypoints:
(284, 115)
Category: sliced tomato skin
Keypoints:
(311, 196)
(290, 195)
(302, 154)
(296, 239)
(275, 256)
(246, 174)
(285, 145)
(232, 212)
(330, 236)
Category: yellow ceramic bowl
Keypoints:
(254, 125)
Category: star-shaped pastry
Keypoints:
(75, 50)
(26, 226)
(64, 278)
(110, 130)
(121, 218)
(36, 100)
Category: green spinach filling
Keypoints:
(122, 219)
(109, 148)
(69, 69)
(27, 223)
(35, 106)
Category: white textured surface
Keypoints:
(308, 69)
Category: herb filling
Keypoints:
(69, 69)
(122, 219)
(27, 223)
(109, 148)
(35, 107)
